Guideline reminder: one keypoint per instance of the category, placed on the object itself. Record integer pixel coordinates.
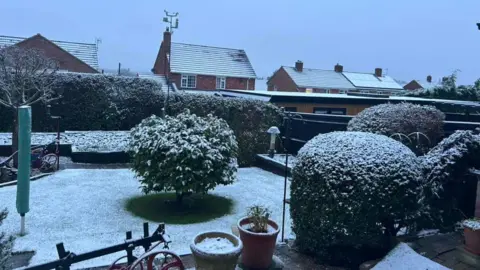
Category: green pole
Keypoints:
(24, 152)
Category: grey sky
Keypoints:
(410, 38)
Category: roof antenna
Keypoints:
(171, 18)
(98, 41)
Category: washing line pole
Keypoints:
(24, 156)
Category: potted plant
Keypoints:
(259, 236)
(471, 233)
(216, 250)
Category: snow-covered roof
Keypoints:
(206, 60)
(268, 95)
(158, 78)
(318, 78)
(86, 52)
(427, 85)
(367, 80)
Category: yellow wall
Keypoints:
(352, 109)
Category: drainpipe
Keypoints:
(248, 80)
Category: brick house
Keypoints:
(418, 84)
(300, 79)
(71, 56)
(197, 67)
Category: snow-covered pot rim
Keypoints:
(245, 220)
(238, 246)
(473, 224)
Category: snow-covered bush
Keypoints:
(186, 154)
(249, 119)
(353, 190)
(96, 102)
(452, 190)
(402, 118)
(6, 244)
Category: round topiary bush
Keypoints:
(402, 118)
(351, 192)
(186, 154)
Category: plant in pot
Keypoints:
(259, 236)
(471, 233)
(216, 250)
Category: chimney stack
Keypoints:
(378, 72)
(299, 66)
(167, 41)
(338, 68)
(429, 78)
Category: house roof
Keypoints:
(318, 78)
(367, 80)
(427, 85)
(86, 52)
(206, 60)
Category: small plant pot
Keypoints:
(258, 248)
(472, 240)
(216, 260)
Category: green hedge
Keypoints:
(105, 102)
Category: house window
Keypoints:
(221, 82)
(336, 111)
(275, 88)
(189, 81)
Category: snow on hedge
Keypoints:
(348, 187)
(82, 141)
(404, 118)
(84, 209)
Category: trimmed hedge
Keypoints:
(106, 102)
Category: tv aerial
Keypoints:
(171, 18)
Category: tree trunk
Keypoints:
(15, 137)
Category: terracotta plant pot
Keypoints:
(209, 260)
(472, 240)
(258, 248)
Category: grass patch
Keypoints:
(161, 207)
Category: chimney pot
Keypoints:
(429, 78)
(378, 72)
(338, 68)
(299, 66)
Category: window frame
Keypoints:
(224, 79)
(186, 77)
(329, 110)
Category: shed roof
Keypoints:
(86, 52)
(207, 60)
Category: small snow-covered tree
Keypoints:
(6, 244)
(186, 154)
(354, 190)
(26, 78)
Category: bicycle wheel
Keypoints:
(49, 163)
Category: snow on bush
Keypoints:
(249, 119)
(6, 244)
(186, 154)
(353, 189)
(404, 118)
(451, 190)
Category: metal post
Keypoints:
(287, 140)
(129, 249)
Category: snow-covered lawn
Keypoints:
(82, 141)
(84, 209)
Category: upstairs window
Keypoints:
(189, 81)
(221, 82)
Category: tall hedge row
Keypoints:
(104, 102)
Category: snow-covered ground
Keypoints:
(84, 209)
(403, 257)
(82, 141)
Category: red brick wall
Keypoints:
(282, 80)
(66, 61)
(206, 82)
